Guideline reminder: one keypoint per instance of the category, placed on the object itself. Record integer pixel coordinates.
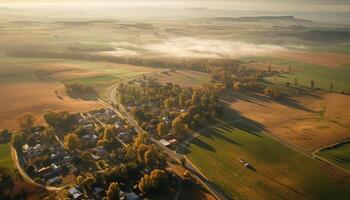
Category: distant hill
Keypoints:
(259, 18)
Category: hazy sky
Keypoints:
(283, 5)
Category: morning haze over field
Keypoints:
(180, 100)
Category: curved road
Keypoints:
(121, 112)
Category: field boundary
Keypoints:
(314, 154)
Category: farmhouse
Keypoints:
(75, 193)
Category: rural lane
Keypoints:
(121, 112)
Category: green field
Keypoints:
(323, 76)
(5, 156)
(339, 154)
(281, 173)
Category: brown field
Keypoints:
(36, 97)
(298, 121)
(322, 59)
(184, 78)
(29, 85)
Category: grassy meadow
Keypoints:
(339, 155)
(305, 72)
(279, 172)
(5, 156)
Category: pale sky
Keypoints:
(268, 5)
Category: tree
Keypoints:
(26, 122)
(331, 86)
(71, 142)
(49, 133)
(5, 136)
(109, 133)
(178, 126)
(169, 102)
(89, 182)
(113, 191)
(150, 157)
(159, 178)
(237, 86)
(6, 180)
(62, 120)
(195, 98)
(182, 100)
(18, 140)
(161, 128)
(312, 84)
(79, 181)
(295, 81)
(145, 184)
(183, 161)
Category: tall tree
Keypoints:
(161, 128)
(71, 142)
(26, 122)
(113, 191)
(145, 184)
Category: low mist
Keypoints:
(188, 47)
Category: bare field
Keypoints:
(322, 59)
(36, 97)
(306, 122)
(30, 85)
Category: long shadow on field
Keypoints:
(202, 144)
(261, 100)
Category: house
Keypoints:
(25, 148)
(54, 181)
(45, 171)
(99, 191)
(101, 151)
(132, 196)
(173, 141)
(75, 194)
(164, 142)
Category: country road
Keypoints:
(122, 112)
(24, 174)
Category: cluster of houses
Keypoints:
(49, 160)
(77, 193)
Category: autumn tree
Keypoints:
(26, 122)
(109, 133)
(178, 126)
(71, 142)
(195, 98)
(161, 129)
(6, 181)
(113, 191)
(18, 140)
(237, 86)
(312, 84)
(158, 178)
(88, 182)
(62, 120)
(145, 184)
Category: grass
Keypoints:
(323, 76)
(339, 154)
(5, 156)
(281, 173)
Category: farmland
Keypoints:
(278, 171)
(39, 85)
(338, 154)
(305, 71)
